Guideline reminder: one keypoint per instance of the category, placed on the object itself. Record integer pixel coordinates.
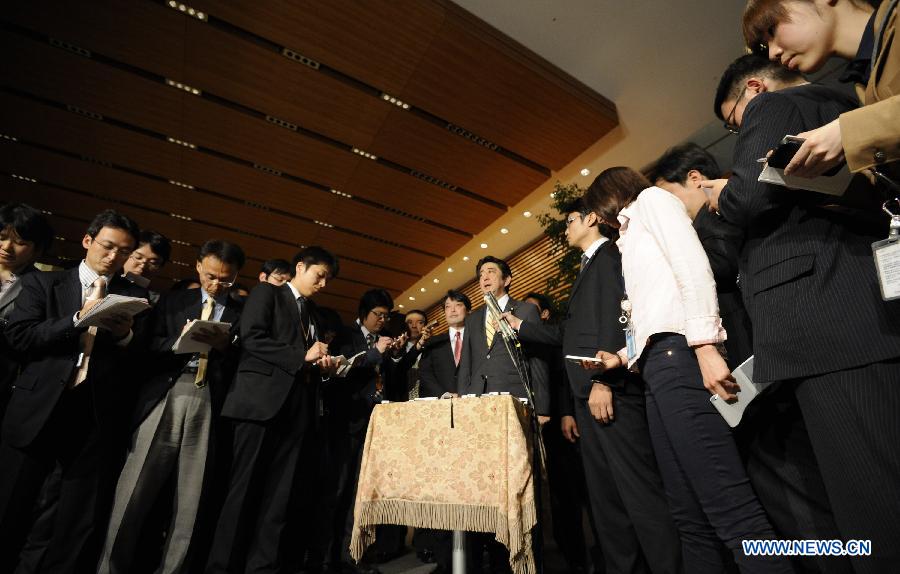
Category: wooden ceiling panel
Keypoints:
(243, 72)
(493, 87)
(102, 141)
(52, 73)
(439, 153)
(144, 33)
(411, 195)
(377, 42)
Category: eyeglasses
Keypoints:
(115, 249)
(213, 279)
(572, 218)
(139, 259)
(729, 121)
(379, 314)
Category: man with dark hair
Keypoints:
(746, 77)
(25, 235)
(275, 271)
(486, 366)
(821, 329)
(349, 403)
(67, 404)
(152, 253)
(680, 171)
(172, 423)
(437, 375)
(441, 356)
(270, 406)
(623, 481)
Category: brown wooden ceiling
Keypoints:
(291, 137)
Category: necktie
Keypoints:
(370, 340)
(304, 320)
(96, 291)
(457, 348)
(199, 378)
(489, 330)
(584, 262)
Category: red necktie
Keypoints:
(457, 348)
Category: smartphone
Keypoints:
(785, 151)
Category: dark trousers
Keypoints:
(254, 515)
(632, 516)
(568, 494)
(71, 530)
(825, 461)
(709, 493)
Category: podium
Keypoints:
(461, 464)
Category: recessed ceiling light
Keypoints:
(484, 245)
(585, 172)
(436, 280)
(504, 230)
(411, 298)
(527, 214)
(449, 269)
(465, 257)
(422, 289)
(400, 305)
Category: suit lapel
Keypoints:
(68, 293)
(8, 296)
(587, 266)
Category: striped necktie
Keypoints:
(489, 329)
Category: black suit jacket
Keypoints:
(807, 273)
(273, 355)
(350, 400)
(722, 243)
(164, 367)
(40, 329)
(437, 370)
(9, 361)
(591, 322)
(486, 370)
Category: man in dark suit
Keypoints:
(437, 375)
(820, 328)
(25, 235)
(442, 355)
(624, 484)
(270, 405)
(349, 402)
(173, 420)
(486, 365)
(680, 171)
(67, 405)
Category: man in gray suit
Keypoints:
(486, 367)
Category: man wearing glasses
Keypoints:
(174, 414)
(66, 401)
(349, 403)
(151, 255)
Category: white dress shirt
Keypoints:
(312, 324)
(589, 252)
(667, 274)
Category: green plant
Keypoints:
(567, 259)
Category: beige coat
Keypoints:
(871, 134)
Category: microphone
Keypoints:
(505, 329)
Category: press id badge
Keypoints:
(887, 260)
(630, 348)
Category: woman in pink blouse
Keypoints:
(676, 328)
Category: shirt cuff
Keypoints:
(75, 319)
(704, 331)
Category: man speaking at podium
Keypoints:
(487, 367)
